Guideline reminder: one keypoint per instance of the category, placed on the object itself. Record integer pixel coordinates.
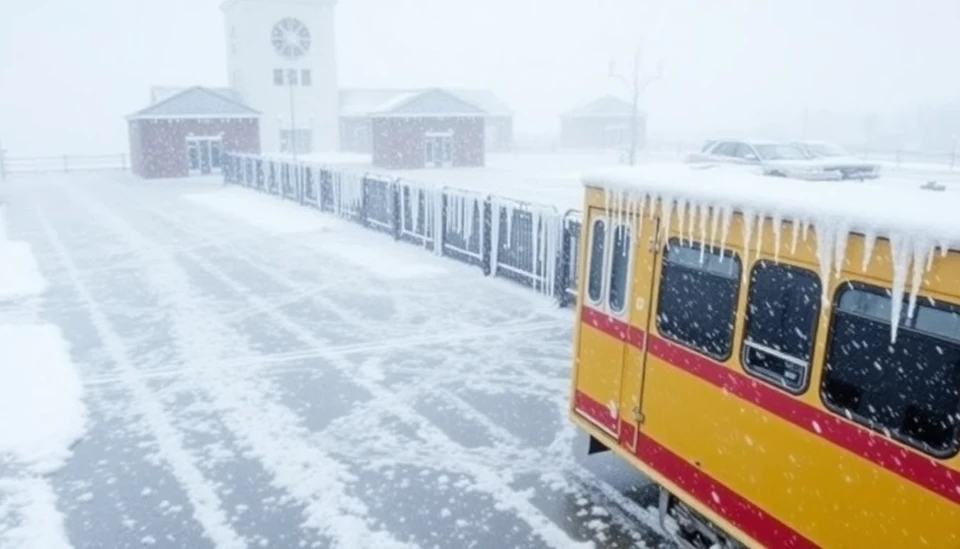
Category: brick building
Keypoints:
(428, 129)
(185, 133)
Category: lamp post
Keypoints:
(636, 85)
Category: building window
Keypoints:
(306, 79)
(698, 297)
(277, 77)
(782, 312)
(296, 141)
(598, 244)
(909, 390)
(292, 77)
(620, 269)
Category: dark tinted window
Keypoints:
(910, 389)
(698, 297)
(620, 268)
(598, 241)
(782, 311)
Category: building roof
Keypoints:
(196, 102)
(159, 93)
(604, 107)
(434, 102)
(364, 102)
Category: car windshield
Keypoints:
(826, 149)
(779, 152)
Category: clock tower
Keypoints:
(281, 60)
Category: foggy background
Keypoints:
(881, 73)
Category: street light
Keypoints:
(636, 86)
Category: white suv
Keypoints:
(773, 158)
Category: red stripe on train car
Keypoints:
(612, 326)
(921, 470)
(595, 411)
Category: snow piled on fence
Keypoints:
(271, 216)
(919, 224)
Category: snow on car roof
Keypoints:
(917, 222)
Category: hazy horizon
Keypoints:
(72, 70)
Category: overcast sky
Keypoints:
(70, 69)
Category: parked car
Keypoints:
(835, 157)
(773, 158)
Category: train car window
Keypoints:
(698, 297)
(598, 244)
(909, 390)
(782, 311)
(620, 269)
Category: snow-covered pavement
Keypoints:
(300, 382)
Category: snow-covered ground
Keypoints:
(254, 374)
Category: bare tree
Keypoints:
(636, 85)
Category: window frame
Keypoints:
(813, 333)
(624, 313)
(854, 417)
(727, 253)
(599, 303)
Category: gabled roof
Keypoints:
(434, 102)
(606, 106)
(196, 102)
(364, 102)
(159, 93)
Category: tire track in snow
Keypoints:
(272, 432)
(486, 479)
(207, 508)
(268, 362)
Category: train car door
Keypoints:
(604, 315)
(646, 254)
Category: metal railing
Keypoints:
(63, 163)
(532, 244)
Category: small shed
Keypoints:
(428, 129)
(603, 123)
(185, 133)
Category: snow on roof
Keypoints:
(883, 207)
(917, 222)
(363, 102)
(159, 93)
(434, 102)
(196, 102)
(606, 106)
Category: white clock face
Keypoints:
(290, 38)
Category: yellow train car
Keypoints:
(782, 357)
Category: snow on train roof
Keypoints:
(917, 222)
(883, 206)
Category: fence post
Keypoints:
(486, 243)
(396, 189)
(363, 200)
(66, 164)
(563, 267)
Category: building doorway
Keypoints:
(438, 150)
(203, 153)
